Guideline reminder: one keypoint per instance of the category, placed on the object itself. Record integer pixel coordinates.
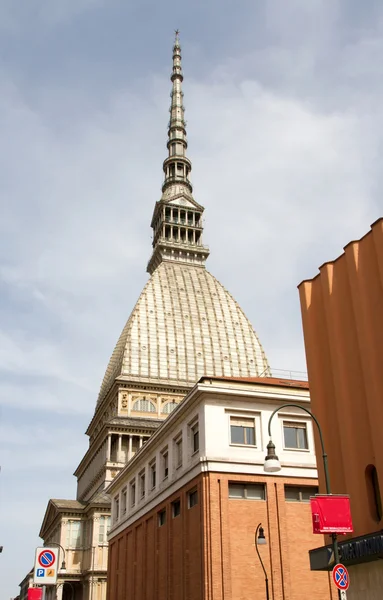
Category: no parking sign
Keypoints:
(45, 570)
(341, 577)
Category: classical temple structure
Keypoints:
(185, 325)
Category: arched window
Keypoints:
(144, 405)
(169, 407)
(373, 491)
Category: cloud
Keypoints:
(285, 138)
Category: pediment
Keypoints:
(49, 517)
(184, 202)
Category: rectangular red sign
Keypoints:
(331, 514)
(35, 593)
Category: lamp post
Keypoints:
(273, 465)
(68, 583)
(260, 540)
(63, 565)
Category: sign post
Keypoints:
(45, 569)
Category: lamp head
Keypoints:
(261, 541)
(63, 567)
(271, 464)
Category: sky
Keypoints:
(284, 105)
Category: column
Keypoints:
(119, 457)
(130, 450)
(193, 236)
(141, 440)
(108, 447)
(171, 214)
(171, 231)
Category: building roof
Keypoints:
(67, 504)
(185, 325)
(278, 381)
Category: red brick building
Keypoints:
(185, 509)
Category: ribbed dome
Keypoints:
(185, 325)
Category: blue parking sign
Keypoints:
(40, 572)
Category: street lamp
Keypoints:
(272, 464)
(260, 540)
(63, 565)
(67, 583)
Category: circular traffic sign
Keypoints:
(341, 577)
(46, 558)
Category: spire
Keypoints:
(177, 218)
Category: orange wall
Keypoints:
(208, 551)
(342, 313)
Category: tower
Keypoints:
(185, 325)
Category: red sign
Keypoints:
(331, 514)
(46, 558)
(341, 577)
(35, 593)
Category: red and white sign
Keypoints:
(331, 514)
(45, 569)
(341, 577)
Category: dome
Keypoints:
(185, 325)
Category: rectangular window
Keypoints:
(104, 526)
(161, 518)
(192, 498)
(176, 508)
(295, 493)
(242, 431)
(295, 435)
(165, 463)
(123, 501)
(153, 475)
(132, 491)
(194, 429)
(178, 452)
(142, 484)
(73, 534)
(247, 491)
(116, 508)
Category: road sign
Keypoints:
(343, 595)
(45, 570)
(341, 577)
(47, 558)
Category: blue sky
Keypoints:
(285, 112)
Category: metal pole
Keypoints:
(325, 467)
(261, 561)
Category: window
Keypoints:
(142, 484)
(153, 475)
(73, 534)
(144, 405)
(247, 491)
(194, 429)
(169, 407)
(161, 518)
(123, 501)
(373, 492)
(192, 498)
(242, 431)
(176, 508)
(295, 435)
(178, 452)
(132, 493)
(116, 508)
(295, 493)
(165, 465)
(104, 526)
